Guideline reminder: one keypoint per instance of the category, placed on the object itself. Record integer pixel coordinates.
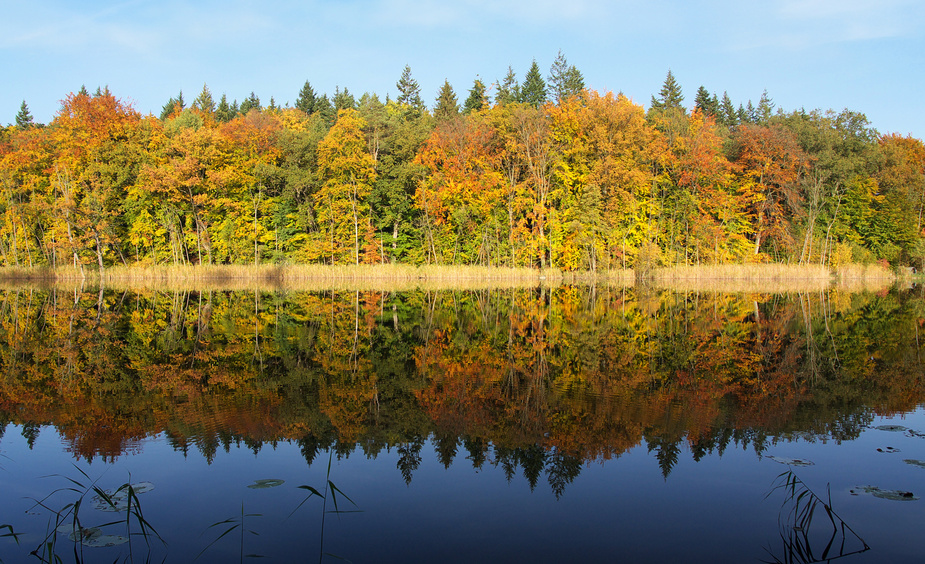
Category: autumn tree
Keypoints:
(347, 171)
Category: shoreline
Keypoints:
(731, 278)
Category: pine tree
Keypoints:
(765, 108)
(447, 106)
(705, 102)
(476, 100)
(409, 91)
(223, 112)
(173, 105)
(727, 112)
(669, 96)
(306, 100)
(325, 109)
(343, 100)
(24, 117)
(204, 102)
(533, 90)
(252, 102)
(508, 89)
(565, 80)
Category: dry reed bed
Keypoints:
(751, 278)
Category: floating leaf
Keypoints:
(791, 461)
(101, 541)
(117, 500)
(914, 433)
(894, 495)
(888, 449)
(266, 483)
(891, 428)
(919, 463)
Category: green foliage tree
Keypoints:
(252, 102)
(533, 90)
(669, 96)
(447, 105)
(204, 101)
(223, 112)
(508, 89)
(565, 80)
(24, 117)
(477, 99)
(173, 106)
(409, 91)
(307, 99)
(706, 103)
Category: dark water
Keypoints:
(510, 425)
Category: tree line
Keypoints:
(571, 371)
(541, 172)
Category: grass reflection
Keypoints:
(810, 529)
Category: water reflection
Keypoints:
(550, 378)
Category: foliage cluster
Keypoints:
(547, 174)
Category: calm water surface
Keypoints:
(540, 425)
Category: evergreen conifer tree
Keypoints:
(765, 108)
(173, 105)
(252, 102)
(727, 111)
(533, 90)
(343, 100)
(476, 100)
(705, 102)
(325, 109)
(447, 105)
(204, 102)
(24, 117)
(669, 96)
(565, 80)
(508, 89)
(409, 91)
(306, 99)
(223, 112)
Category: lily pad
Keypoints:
(92, 537)
(913, 462)
(791, 461)
(891, 428)
(888, 449)
(266, 483)
(893, 495)
(914, 433)
(119, 498)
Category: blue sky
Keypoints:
(865, 55)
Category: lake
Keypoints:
(493, 425)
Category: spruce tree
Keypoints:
(447, 105)
(508, 89)
(727, 111)
(173, 105)
(409, 91)
(223, 112)
(533, 90)
(204, 102)
(343, 100)
(669, 96)
(705, 102)
(765, 108)
(476, 100)
(306, 99)
(325, 109)
(24, 117)
(252, 102)
(565, 80)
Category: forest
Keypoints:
(518, 377)
(537, 173)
